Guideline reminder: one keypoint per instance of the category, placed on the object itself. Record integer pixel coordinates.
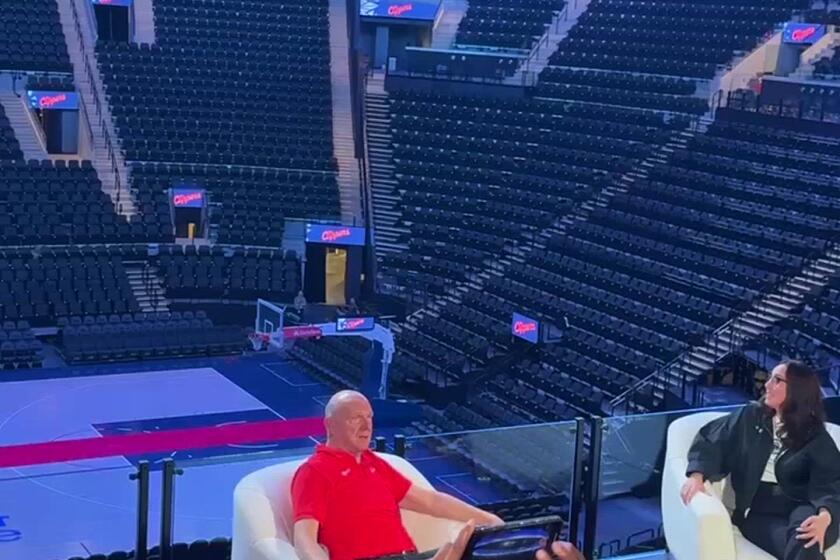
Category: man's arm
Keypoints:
(306, 541)
(438, 504)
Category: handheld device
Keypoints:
(518, 540)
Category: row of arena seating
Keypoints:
(475, 178)
(39, 82)
(247, 205)
(670, 37)
(828, 68)
(215, 549)
(60, 202)
(653, 53)
(147, 336)
(213, 54)
(510, 24)
(232, 273)
(648, 275)
(39, 285)
(19, 349)
(813, 334)
(31, 37)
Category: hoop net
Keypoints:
(259, 341)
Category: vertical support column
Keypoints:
(142, 478)
(593, 487)
(577, 482)
(167, 506)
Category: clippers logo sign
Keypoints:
(125, 3)
(53, 99)
(803, 33)
(354, 324)
(187, 198)
(335, 235)
(424, 10)
(525, 328)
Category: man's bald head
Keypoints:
(348, 418)
(340, 400)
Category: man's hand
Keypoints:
(563, 551)
(454, 550)
(813, 530)
(490, 520)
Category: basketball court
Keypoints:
(82, 506)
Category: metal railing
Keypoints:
(99, 104)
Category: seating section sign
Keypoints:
(525, 327)
(424, 10)
(53, 99)
(803, 33)
(354, 324)
(335, 235)
(188, 198)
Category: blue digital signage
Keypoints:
(188, 198)
(525, 327)
(122, 3)
(803, 33)
(53, 99)
(335, 235)
(354, 324)
(424, 10)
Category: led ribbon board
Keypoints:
(395, 9)
(53, 99)
(803, 33)
(335, 235)
(525, 328)
(354, 324)
(122, 3)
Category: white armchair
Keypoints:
(703, 530)
(263, 517)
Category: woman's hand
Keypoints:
(561, 550)
(692, 486)
(813, 530)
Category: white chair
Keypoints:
(703, 530)
(262, 514)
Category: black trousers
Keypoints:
(772, 521)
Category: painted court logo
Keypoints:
(6, 534)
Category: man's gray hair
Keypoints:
(340, 398)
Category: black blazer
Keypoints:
(739, 445)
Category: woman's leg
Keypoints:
(768, 532)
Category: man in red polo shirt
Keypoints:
(347, 500)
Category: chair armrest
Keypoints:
(700, 531)
(272, 549)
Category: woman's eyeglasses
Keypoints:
(776, 379)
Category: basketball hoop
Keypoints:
(259, 341)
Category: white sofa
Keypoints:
(262, 514)
(703, 529)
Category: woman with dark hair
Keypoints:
(784, 466)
